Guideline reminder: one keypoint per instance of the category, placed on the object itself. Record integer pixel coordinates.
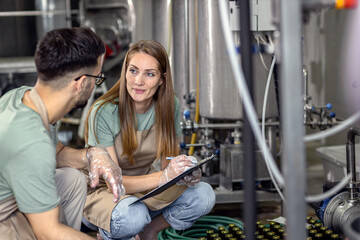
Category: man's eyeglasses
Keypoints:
(98, 79)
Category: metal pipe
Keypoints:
(36, 13)
(240, 125)
(249, 139)
(306, 80)
(293, 158)
(81, 12)
(271, 136)
(179, 51)
(68, 13)
(161, 21)
(317, 4)
(350, 152)
(306, 96)
(187, 58)
(195, 145)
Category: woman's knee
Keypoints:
(128, 221)
(205, 197)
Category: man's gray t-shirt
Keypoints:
(27, 156)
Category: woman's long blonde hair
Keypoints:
(163, 99)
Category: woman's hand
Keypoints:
(191, 179)
(177, 166)
(101, 164)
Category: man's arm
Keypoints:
(98, 162)
(70, 157)
(46, 226)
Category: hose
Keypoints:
(263, 124)
(334, 130)
(329, 193)
(199, 228)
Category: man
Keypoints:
(38, 181)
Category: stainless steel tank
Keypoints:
(219, 97)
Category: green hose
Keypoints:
(199, 228)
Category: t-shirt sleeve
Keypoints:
(32, 178)
(177, 117)
(102, 125)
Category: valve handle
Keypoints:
(186, 114)
(328, 106)
(182, 145)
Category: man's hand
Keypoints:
(177, 166)
(100, 164)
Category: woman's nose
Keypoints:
(139, 80)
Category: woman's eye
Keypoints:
(150, 74)
(132, 70)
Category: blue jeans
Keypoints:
(127, 221)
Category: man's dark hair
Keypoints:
(67, 50)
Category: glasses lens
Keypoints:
(99, 80)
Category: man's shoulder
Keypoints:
(22, 133)
(16, 93)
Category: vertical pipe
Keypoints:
(306, 96)
(293, 159)
(82, 12)
(186, 59)
(249, 146)
(350, 152)
(179, 50)
(160, 19)
(68, 13)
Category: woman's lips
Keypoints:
(139, 91)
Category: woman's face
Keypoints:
(142, 80)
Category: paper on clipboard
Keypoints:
(173, 181)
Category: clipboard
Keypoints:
(173, 181)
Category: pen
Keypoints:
(169, 158)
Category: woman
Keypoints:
(138, 121)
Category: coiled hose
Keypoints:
(199, 228)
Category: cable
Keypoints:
(257, 38)
(330, 193)
(263, 124)
(266, 96)
(244, 93)
(331, 131)
(199, 228)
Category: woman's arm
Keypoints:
(164, 161)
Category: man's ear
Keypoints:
(79, 84)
